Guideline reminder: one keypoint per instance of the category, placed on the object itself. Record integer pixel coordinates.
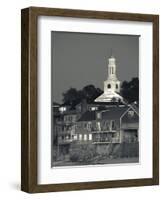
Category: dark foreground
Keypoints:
(97, 161)
(87, 154)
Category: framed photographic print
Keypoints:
(90, 99)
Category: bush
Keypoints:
(82, 153)
(74, 157)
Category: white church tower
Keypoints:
(111, 85)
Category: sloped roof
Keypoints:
(88, 116)
(105, 103)
(56, 104)
(114, 112)
(108, 97)
(135, 107)
(98, 103)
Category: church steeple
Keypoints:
(112, 68)
(111, 85)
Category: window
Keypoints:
(109, 86)
(116, 86)
(85, 137)
(74, 137)
(99, 115)
(112, 70)
(93, 108)
(80, 136)
(107, 125)
(85, 125)
(68, 137)
(90, 136)
(113, 127)
(113, 135)
(98, 125)
(89, 125)
(62, 109)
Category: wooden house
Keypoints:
(117, 124)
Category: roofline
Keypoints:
(127, 111)
(107, 110)
(134, 109)
(56, 106)
(124, 113)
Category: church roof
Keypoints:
(108, 97)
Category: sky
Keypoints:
(80, 59)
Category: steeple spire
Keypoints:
(112, 84)
(112, 68)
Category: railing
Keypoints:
(106, 141)
(104, 131)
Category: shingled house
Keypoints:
(112, 125)
(117, 124)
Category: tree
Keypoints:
(130, 90)
(90, 93)
(73, 96)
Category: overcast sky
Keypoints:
(79, 59)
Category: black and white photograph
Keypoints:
(95, 99)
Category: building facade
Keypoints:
(115, 125)
(112, 125)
